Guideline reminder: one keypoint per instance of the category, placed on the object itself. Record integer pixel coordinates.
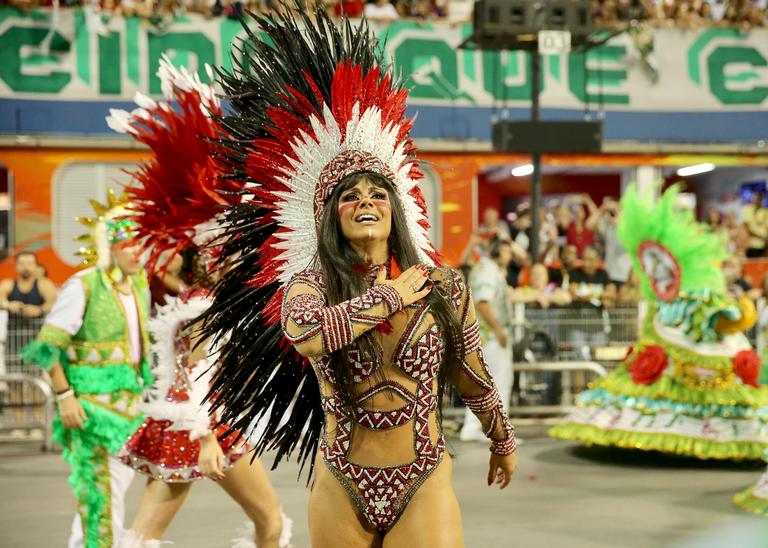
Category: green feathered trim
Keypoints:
(43, 354)
(104, 379)
(86, 451)
(746, 500)
(147, 377)
(696, 249)
(602, 398)
(667, 388)
(667, 443)
(104, 427)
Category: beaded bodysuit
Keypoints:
(396, 394)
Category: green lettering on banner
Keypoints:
(432, 66)
(498, 66)
(82, 48)
(11, 43)
(554, 66)
(229, 31)
(132, 48)
(110, 64)
(701, 42)
(716, 63)
(182, 43)
(597, 76)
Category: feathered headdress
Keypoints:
(111, 224)
(177, 192)
(671, 252)
(312, 103)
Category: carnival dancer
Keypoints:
(176, 197)
(334, 305)
(93, 346)
(689, 385)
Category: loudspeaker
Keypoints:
(511, 17)
(548, 136)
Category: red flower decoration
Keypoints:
(746, 364)
(648, 365)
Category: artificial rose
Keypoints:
(746, 364)
(648, 365)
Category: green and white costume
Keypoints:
(98, 336)
(689, 385)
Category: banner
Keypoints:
(85, 57)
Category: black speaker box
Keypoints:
(547, 136)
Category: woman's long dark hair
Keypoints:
(340, 265)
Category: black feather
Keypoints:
(258, 373)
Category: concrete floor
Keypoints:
(563, 495)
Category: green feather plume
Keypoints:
(697, 250)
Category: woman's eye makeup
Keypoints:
(352, 199)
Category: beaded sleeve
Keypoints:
(316, 329)
(474, 381)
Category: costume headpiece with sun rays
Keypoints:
(689, 384)
(311, 103)
(112, 223)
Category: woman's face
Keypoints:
(365, 212)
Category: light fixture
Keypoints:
(696, 169)
(522, 171)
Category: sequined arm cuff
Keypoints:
(391, 297)
(489, 404)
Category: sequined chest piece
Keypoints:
(381, 494)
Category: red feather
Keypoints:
(179, 187)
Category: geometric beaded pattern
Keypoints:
(382, 493)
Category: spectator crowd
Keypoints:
(581, 262)
(607, 13)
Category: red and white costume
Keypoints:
(166, 445)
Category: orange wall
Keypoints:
(32, 172)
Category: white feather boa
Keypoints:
(193, 414)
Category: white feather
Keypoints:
(295, 210)
(193, 414)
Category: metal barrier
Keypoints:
(587, 342)
(19, 332)
(542, 414)
(578, 332)
(26, 406)
(26, 398)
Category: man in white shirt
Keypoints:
(489, 287)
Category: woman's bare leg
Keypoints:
(432, 517)
(247, 483)
(334, 522)
(159, 504)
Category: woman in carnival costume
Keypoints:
(175, 200)
(93, 346)
(689, 385)
(342, 329)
